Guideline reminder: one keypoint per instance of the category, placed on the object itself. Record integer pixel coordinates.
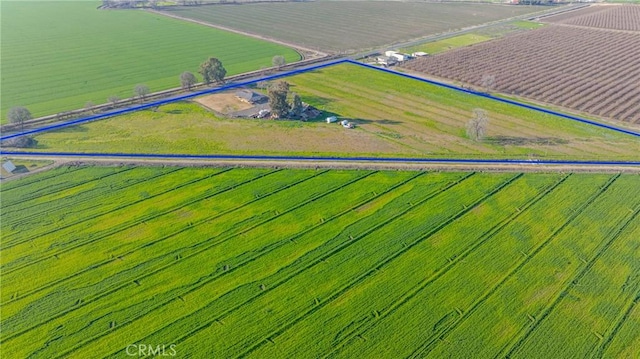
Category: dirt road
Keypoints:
(337, 164)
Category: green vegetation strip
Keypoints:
(435, 47)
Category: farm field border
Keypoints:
(309, 69)
(239, 159)
(318, 158)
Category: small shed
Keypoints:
(9, 166)
(386, 60)
(419, 54)
(332, 119)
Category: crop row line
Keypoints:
(463, 315)
(39, 178)
(206, 247)
(524, 334)
(320, 258)
(338, 293)
(599, 351)
(172, 234)
(484, 237)
(124, 226)
(55, 190)
(89, 195)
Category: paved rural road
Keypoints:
(436, 37)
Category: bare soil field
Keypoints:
(323, 25)
(615, 17)
(589, 70)
(224, 103)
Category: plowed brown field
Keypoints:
(589, 70)
(616, 17)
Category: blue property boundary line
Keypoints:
(323, 158)
(499, 99)
(170, 100)
(318, 158)
(307, 69)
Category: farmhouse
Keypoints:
(251, 97)
(397, 55)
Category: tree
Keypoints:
(278, 61)
(212, 71)
(113, 99)
(89, 106)
(18, 115)
(296, 106)
(187, 80)
(278, 99)
(487, 82)
(477, 126)
(141, 91)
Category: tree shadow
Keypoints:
(523, 141)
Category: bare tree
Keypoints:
(18, 115)
(487, 82)
(477, 126)
(187, 80)
(141, 91)
(113, 99)
(278, 61)
(89, 106)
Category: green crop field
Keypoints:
(272, 263)
(395, 116)
(323, 24)
(482, 35)
(57, 56)
(448, 44)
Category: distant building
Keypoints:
(397, 55)
(419, 54)
(386, 60)
(251, 97)
(332, 119)
(9, 166)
